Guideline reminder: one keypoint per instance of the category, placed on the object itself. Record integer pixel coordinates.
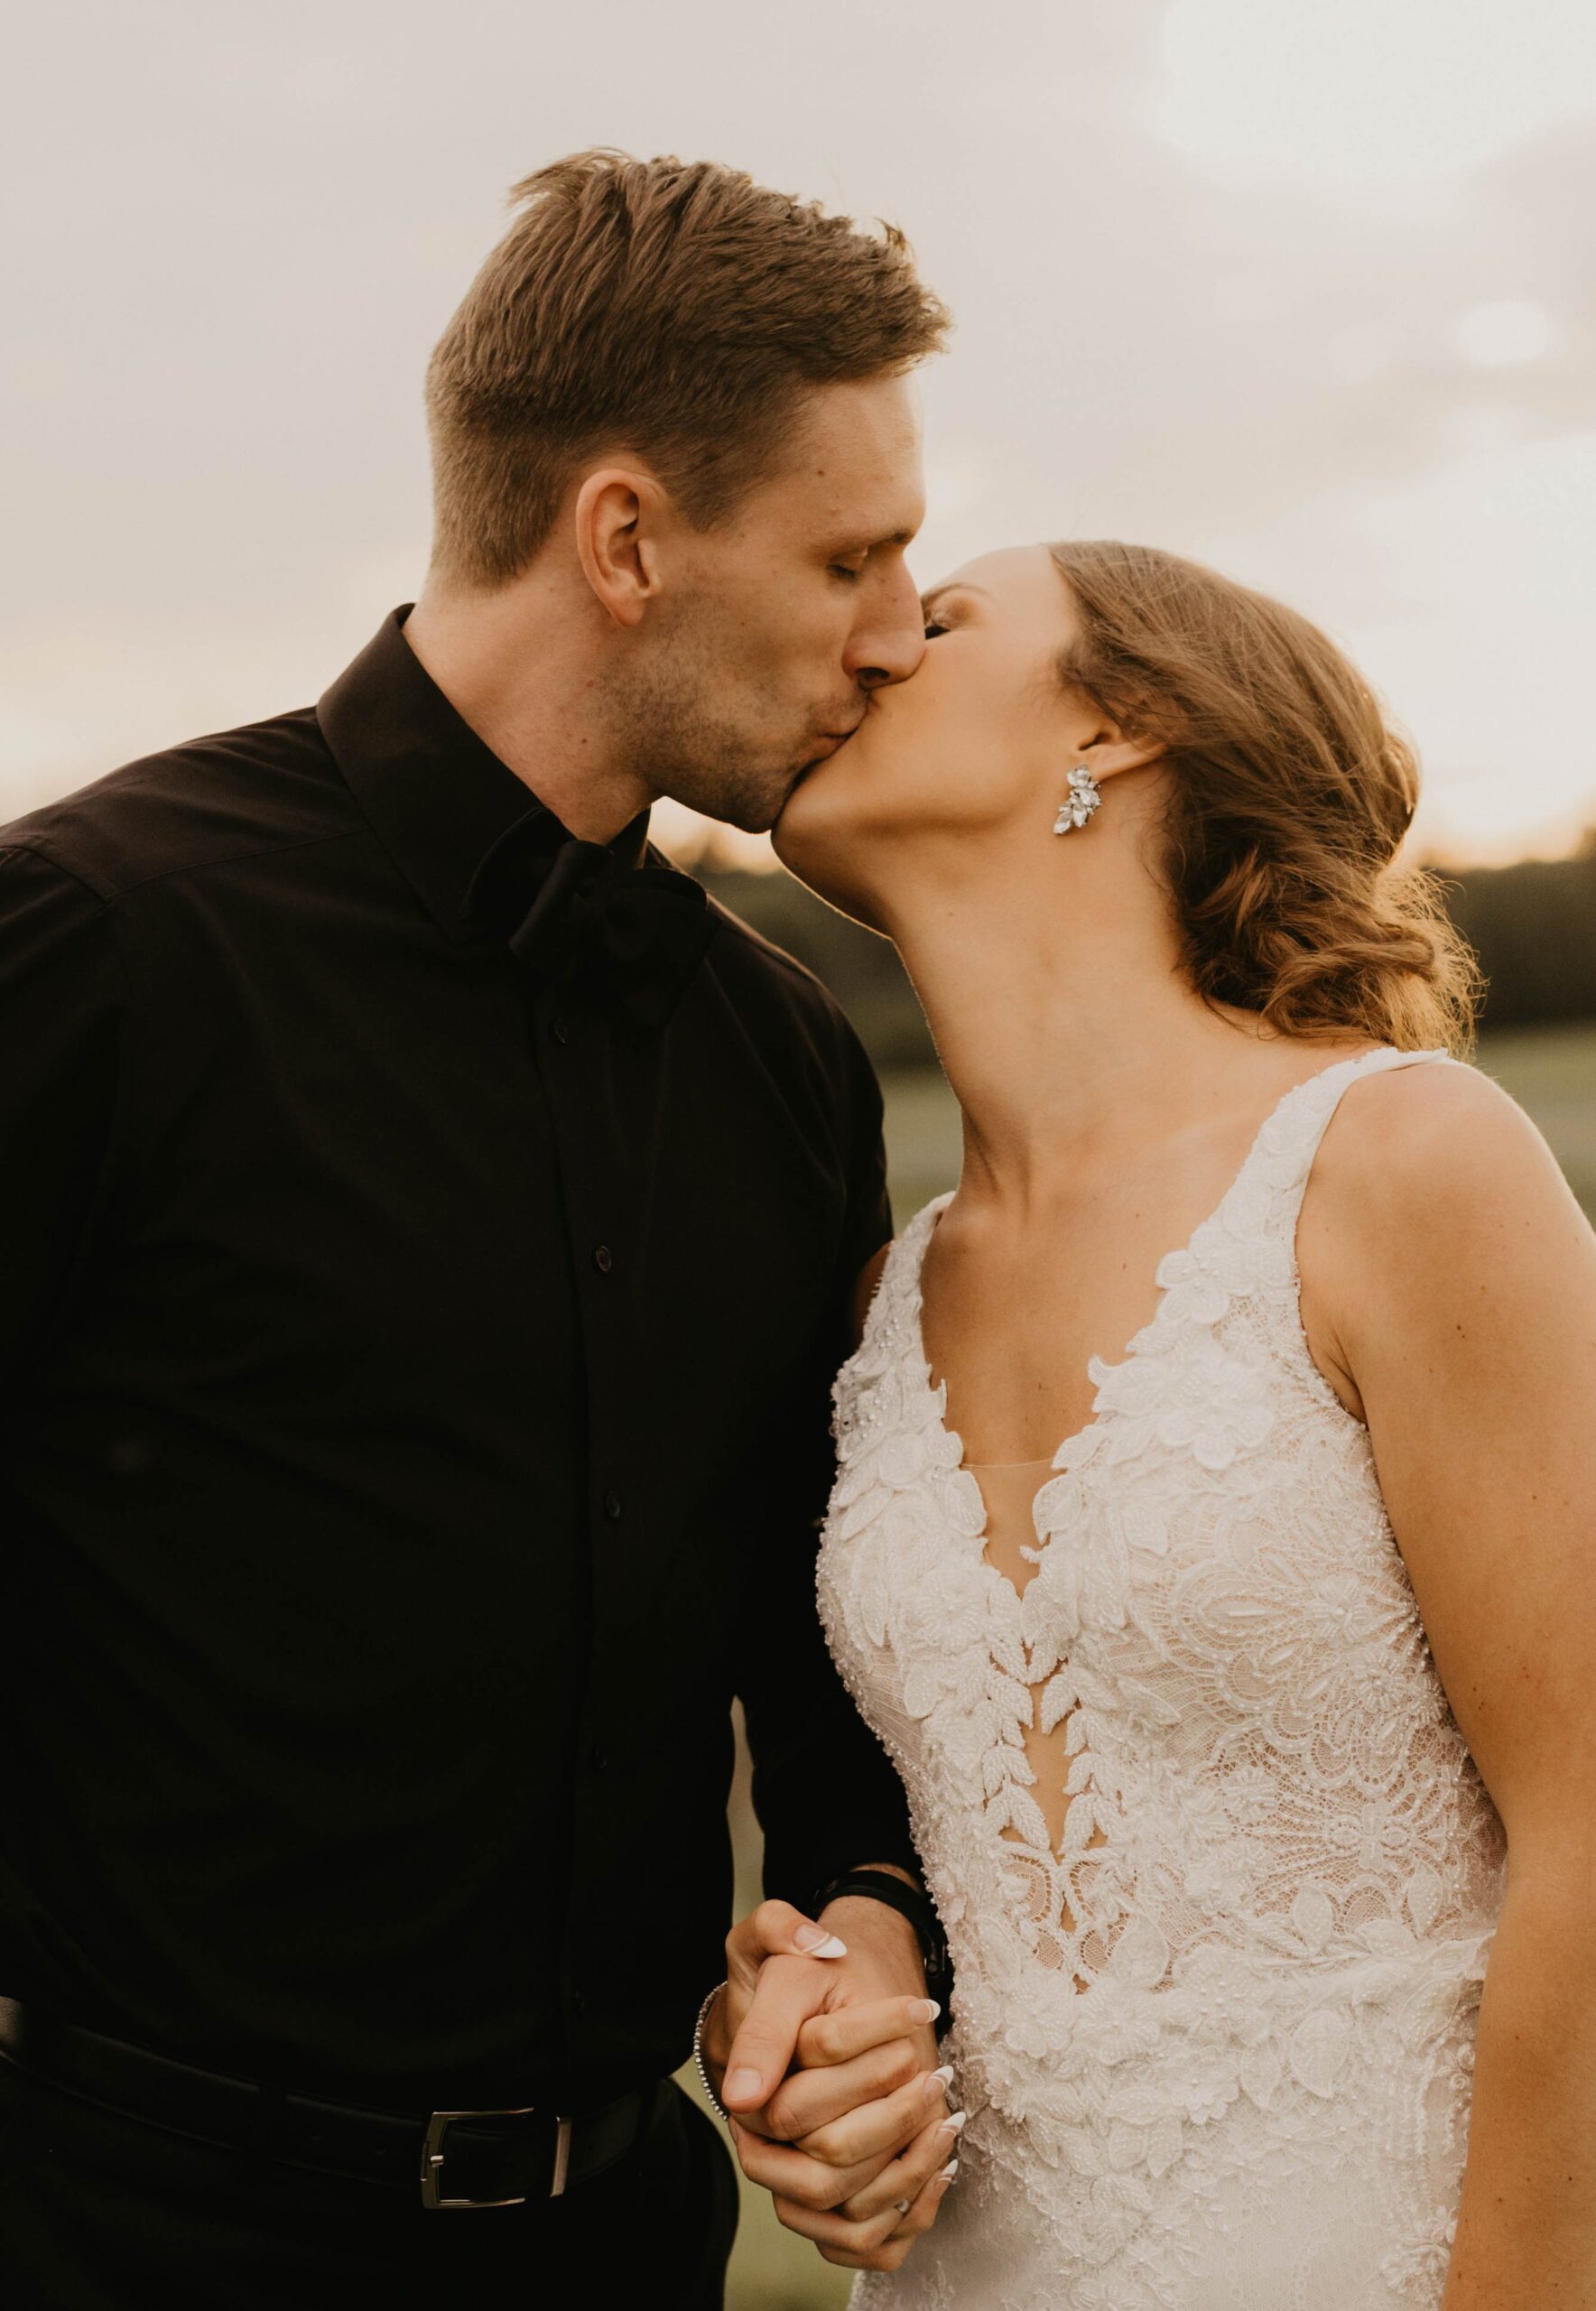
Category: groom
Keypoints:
(431, 1229)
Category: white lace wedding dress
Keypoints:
(1216, 2051)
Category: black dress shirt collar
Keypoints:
(437, 796)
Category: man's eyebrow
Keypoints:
(875, 545)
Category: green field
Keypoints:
(1550, 1072)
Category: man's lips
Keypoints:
(832, 741)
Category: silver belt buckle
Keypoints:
(433, 2155)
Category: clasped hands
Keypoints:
(821, 2051)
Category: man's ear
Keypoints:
(617, 516)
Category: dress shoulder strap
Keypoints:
(899, 1281)
(1282, 1155)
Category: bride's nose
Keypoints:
(888, 637)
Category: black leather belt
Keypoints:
(456, 2157)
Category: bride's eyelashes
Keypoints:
(934, 627)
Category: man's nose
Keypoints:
(888, 646)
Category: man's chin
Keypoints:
(762, 813)
(756, 818)
(752, 803)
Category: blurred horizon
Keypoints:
(706, 847)
(1310, 294)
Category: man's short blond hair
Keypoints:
(677, 312)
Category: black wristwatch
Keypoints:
(911, 1902)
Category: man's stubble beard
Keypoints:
(670, 729)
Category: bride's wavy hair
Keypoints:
(1289, 795)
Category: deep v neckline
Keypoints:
(1056, 1848)
(1043, 1718)
(1097, 1369)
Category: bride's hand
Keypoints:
(865, 2148)
(824, 2058)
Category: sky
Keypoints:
(1308, 291)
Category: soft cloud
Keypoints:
(1368, 95)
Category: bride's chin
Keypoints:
(825, 854)
(799, 825)
(800, 821)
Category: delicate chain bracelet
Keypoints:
(697, 2049)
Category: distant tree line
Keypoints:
(1532, 926)
(1534, 929)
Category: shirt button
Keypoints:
(603, 1258)
(612, 1507)
(598, 1757)
(560, 1031)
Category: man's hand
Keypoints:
(865, 2185)
(855, 2143)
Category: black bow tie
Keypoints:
(565, 904)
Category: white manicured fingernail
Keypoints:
(928, 2009)
(953, 2124)
(937, 2081)
(949, 2171)
(902, 2206)
(816, 1942)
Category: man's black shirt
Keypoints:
(414, 1426)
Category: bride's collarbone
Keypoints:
(1012, 1315)
(1012, 1329)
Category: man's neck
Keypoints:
(514, 669)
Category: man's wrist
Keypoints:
(855, 1916)
(884, 1886)
(878, 1886)
(887, 1869)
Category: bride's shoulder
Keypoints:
(1429, 1163)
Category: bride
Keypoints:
(1249, 1730)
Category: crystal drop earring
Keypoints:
(1084, 797)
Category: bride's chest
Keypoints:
(1171, 1590)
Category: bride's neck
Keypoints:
(1061, 1014)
